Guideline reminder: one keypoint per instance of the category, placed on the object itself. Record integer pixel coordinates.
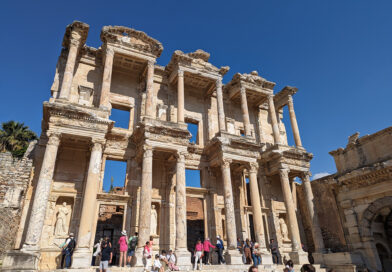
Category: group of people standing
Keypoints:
(250, 251)
(202, 252)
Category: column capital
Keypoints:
(109, 51)
(305, 176)
(97, 144)
(243, 90)
(74, 42)
(147, 151)
(225, 163)
(180, 155)
(218, 82)
(290, 98)
(150, 63)
(180, 73)
(284, 172)
(253, 167)
(54, 138)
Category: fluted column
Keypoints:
(315, 226)
(180, 203)
(256, 206)
(294, 124)
(221, 111)
(150, 90)
(229, 205)
(274, 121)
(245, 112)
(107, 78)
(74, 45)
(41, 195)
(290, 210)
(145, 198)
(180, 97)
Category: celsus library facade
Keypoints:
(247, 169)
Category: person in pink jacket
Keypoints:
(123, 248)
(199, 250)
(207, 246)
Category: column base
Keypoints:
(183, 258)
(233, 256)
(266, 258)
(81, 258)
(138, 262)
(17, 260)
(299, 257)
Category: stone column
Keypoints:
(41, 195)
(183, 256)
(145, 204)
(221, 111)
(245, 112)
(180, 97)
(232, 254)
(294, 125)
(66, 84)
(256, 206)
(150, 110)
(274, 121)
(106, 79)
(297, 255)
(315, 226)
(82, 256)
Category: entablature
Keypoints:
(282, 98)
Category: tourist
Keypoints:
(308, 268)
(132, 243)
(286, 269)
(147, 256)
(220, 247)
(123, 244)
(199, 250)
(157, 266)
(274, 251)
(207, 246)
(171, 258)
(106, 255)
(253, 268)
(290, 265)
(248, 252)
(240, 247)
(96, 251)
(67, 250)
(256, 254)
(164, 261)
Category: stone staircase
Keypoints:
(206, 268)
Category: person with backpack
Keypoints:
(132, 243)
(67, 250)
(220, 247)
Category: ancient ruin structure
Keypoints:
(355, 203)
(246, 166)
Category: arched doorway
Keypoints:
(376, 234)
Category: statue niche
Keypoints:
(62, 218)
(154, 221)
(284, 230)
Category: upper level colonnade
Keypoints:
(123, 73)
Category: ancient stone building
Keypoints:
(247, 168)
(355, 204)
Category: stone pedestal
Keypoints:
(82, 258)
(16, 260)
(299, 257)
(138, 258)
(266, 258)
(233, 256)
(183, 259)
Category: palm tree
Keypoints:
(15, 138)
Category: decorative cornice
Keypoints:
(76, 27)
(253, 78)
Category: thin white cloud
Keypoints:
(320, 175)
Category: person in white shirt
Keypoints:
(97, 250)
(171, 258)
(156, 267)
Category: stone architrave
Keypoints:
(106, 79)
(221, 111)
(145, 204)
(315, 226)
(232, 255)
(183, 255)
(74, 46)
(150, 90)
(180, 97)
(245, 111)
(83, 252)
(41, 195)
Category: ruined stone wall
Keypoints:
(328, 214)
(15, 175)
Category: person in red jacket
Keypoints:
(207, 246)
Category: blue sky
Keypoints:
(338, 54)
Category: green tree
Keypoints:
(111, 185)
(15, 138)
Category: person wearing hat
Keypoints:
(123, 245)
(171, 258)
(67, 251)
(220, 247)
